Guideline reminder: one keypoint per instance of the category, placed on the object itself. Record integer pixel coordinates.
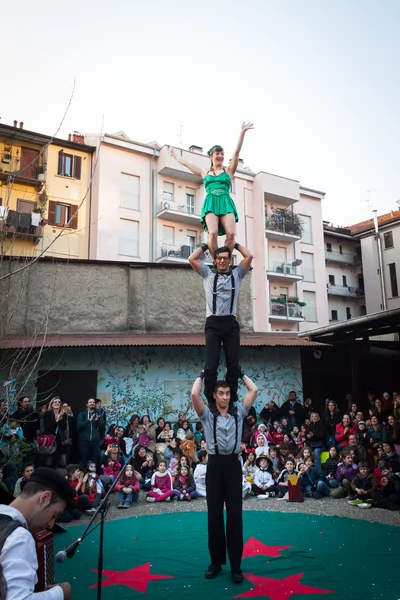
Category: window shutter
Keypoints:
(77, 167)
(51, 217)
(60, 163)
(73, 217)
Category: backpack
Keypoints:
(7, 526)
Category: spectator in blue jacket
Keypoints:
(313, 481)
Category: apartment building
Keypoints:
(380, 249)
(45, 194)
(344, 274)
(146, 207)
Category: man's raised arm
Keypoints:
(194, 261)
(252, 392)
(197, 400)
(247, 256)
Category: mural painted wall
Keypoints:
(158, 380)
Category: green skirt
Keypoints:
(218, 205)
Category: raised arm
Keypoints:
(247, 256)
(194, 261)
(197, 400)
(235, 157)
(252, 392)
(194, 168)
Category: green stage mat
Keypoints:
(285, 556)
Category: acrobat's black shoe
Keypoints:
(213, 571)
(237, 577)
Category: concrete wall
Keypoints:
(79, 297)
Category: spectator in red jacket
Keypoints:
(343, 431)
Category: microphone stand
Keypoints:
(102, 511)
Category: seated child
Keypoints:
(184, 484)
(259, 429)
(111, 469)
(185, 461)
(302, 436)
(282, 481)
(249, 467)
(94, 486)
(199, 435)
(277, 435)
(362, 435)
(295, 436)
(78, 480)
(313, 482)
(188, 447)
(378, 472)
(171, 447)
(330, 467)
(275, 461)
(128, 487)
(161, 485)
(147, 472)
(262, 445)
(285, 426)
(174, 462)
(143, 439)
(263, 481)
(345, 473)
(27, 471)
(200, 473)
(363, 483)
(389, 495)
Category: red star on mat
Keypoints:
(136, 578)
(254, 547)
(279, 589)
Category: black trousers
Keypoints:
(224, 486)
(222, 331)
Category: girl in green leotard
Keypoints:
(218, 214)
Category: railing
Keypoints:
(10, 166)
(165, 204)
(342, 257)
(284, 268)
(286, 226)
(178, 251)
(286, 309)
(13, 222)
(344, 290)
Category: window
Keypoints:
(306, 236)
(168, 235)
(393, 280)
(334, 315)
(168, 191)
(331, 280)
(191, 238)
(190, 203)
(69, 165)
(61, 215)
(25, 206)
(310, 309)
(348, 312)
(308, 266)
(328, 247)
(129, 191)
(388, 239)
(341, 249)
(344, 280)
(129, 238)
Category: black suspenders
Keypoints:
(214, 308)
(215, 416)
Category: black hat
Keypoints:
(55, 482)
(266, 458)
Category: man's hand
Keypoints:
(291, 412)
(67, 590)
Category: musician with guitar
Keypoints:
(43, 498)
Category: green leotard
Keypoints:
(218, 200)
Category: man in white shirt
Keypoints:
(43, 498)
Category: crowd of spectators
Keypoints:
(353, 455)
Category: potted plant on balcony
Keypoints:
(41, 172)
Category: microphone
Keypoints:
(68, 552)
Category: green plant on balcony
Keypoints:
(42, 202)
(284, 220)
(41, 169)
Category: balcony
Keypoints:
(182, 213)
(177, 253)
(284, 272)
(282, 229)
(343, 258)
(25, 169)
(169, 167)
(13, 223)
(286, 311)
(344, 290)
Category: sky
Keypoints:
(319, 79)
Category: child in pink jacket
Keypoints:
(128, 487)
(161, 485)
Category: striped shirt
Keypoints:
(224, 289)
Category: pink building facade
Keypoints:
(146, 207)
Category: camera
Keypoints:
(114, 445)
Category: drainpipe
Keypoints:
(153, 213)
(380, 260)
